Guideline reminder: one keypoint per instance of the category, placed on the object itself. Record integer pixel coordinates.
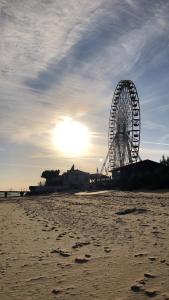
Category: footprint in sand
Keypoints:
(56, 291)
(80, 244)
(137, 287)
(61, 252)
(151, 292)
(165, 296)
(152, 258)
(149, 275)
(107, 249)
(79, 260)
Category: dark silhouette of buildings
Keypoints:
(72, 179)
(144, 174)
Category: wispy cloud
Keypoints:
(149, 125)
(154, 143)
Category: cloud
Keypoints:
(82, 47)
(154, 143)
(150, 125)
(104, 47)
(65, 58)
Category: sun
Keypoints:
(71, 137)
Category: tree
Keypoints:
(48, 174)
(52, 177)
(164, 161)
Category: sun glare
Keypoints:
(71, 137)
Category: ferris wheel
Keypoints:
(124, 127)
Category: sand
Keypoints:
(77, 246)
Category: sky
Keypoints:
(65, 58)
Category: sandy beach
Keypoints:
(110, 245)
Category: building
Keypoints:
(99, 181)
(76, 179)
(70, 180)
(135, 175)
(141, 166)
(98, 177)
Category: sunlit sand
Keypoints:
(85, 246)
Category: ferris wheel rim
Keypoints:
(134, 132)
